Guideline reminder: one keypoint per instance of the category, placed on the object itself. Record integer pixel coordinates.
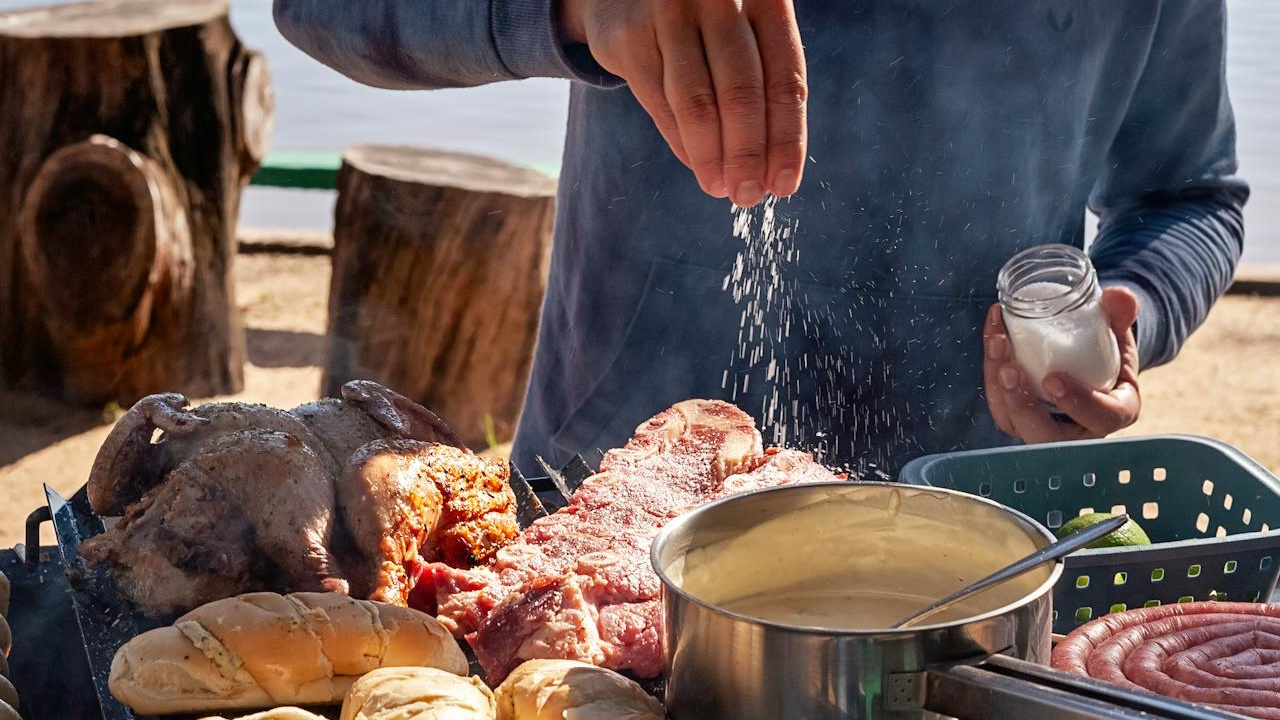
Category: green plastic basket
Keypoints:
(1208, 508)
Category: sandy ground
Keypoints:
(1226, 384)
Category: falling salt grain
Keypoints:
(757, 284)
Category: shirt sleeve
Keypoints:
(1170, 207)
(427, 44)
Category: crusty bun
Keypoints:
(418, 693)
(4, 594)
(6, 637)
(7, 712)
(263, 649)
(571, 690)
(8, 693)
(4, 666)
(280, 713)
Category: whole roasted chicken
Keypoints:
(343, 495)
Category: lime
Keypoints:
(1128, 535)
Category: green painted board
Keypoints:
(305, 170)
(318, 170)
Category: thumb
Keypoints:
(1121, 307)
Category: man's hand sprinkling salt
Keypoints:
(724, 80)
(1019, 411)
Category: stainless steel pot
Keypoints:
(922, 542)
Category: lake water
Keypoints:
(318, 109)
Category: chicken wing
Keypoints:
(404, 417)
(127, 465)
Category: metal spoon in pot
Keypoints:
(1061, 548)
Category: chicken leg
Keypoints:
(127, 465)
(404, 417)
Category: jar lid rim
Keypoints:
(1024, 270)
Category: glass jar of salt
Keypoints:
(1052, 307)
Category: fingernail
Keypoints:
(995, 348)
(1055, 387)
(1009, 378)
(719, 189)
(749, 193)
(785, 182)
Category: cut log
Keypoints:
(104, 220)
(130, 128)
(439, 267)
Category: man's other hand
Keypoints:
(724, 80)
(1019, 411)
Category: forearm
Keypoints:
(1178, 255)
(424, 44)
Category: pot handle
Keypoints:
(1005, 688)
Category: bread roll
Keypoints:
(8, 693)
(417, 693)
(6, 637)
(263, 649)
(7, 712)
(4, 666)
(4, 594)
(280, 713)
(571, 690)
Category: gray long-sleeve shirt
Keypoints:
(945, 137)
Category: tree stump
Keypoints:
(129, 128)
(439, 267)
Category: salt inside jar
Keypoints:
(1052, 307)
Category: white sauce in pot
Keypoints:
(846, 610)
(848, 564)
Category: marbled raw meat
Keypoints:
(578, 584)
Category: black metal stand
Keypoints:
(47, 663)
